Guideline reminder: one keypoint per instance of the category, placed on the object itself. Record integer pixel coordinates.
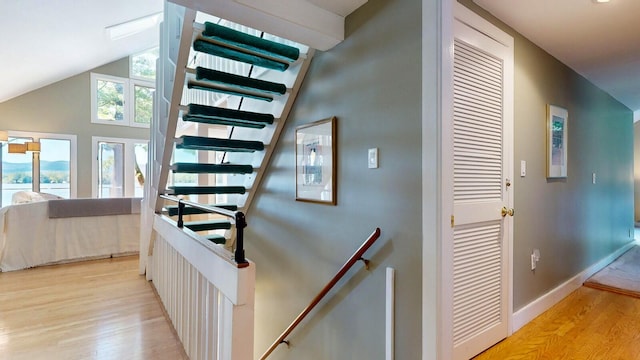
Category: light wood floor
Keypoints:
(588, 324)
(98, 309)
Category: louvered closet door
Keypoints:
(480, 257)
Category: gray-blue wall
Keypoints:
(372, 83)
(64, 107)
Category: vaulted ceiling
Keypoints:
(42, 42)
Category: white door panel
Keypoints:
(476, 212)
(482, 157)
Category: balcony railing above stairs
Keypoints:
(236, 218)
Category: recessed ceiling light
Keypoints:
(601, 1)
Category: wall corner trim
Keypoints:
(546, 301)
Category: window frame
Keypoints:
(129, 102)
(95, 77)
(132, 109)
(142, 78)
(73, 157)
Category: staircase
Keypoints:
(223, 93)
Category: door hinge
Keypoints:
(452, 221)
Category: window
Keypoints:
(109, 95)
(127, 102)
(52, 170)
(142, 110)
(143, 65)
(17, 171)
(110, 169)
(120, 167)
(55, 170)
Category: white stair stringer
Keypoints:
(271, 134)
(177, 23)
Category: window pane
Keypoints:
(141, 168)
(185, 156)
(110, 97)
(55, 173)
(17, 171)
(110, 169)
(144, 65)
(142, 104)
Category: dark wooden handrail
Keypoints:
(357, 256)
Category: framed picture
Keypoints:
(316, 162)
(557, 118)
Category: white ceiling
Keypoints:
(44, 41)
(599, 41)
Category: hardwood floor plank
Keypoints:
(587, 324)
(99, 309)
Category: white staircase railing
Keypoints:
(208, 297)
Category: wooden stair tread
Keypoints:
(243, 82)
(200, 168)
(228, 51)
(216, 238)
(254, 44)
(172, 210)
(193, 190)
(214, 144)
(223, 116)
(204, 225)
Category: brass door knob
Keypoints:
(506, 211)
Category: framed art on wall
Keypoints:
(316, 162)
(557, 118)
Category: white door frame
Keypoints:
(128, 190)
(443, 336)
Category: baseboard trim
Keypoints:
(535, 308)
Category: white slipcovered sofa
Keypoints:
(54, 231)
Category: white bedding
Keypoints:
(28, 237)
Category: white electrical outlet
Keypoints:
(535, 257)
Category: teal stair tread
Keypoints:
(224, 116)
(199, 168)
(215, 238)
(205, 225)
(213, 121)
(243, 82)
(233, 54)
(250, 42)
(222, 90)
(193, 190)
(188, 210)
(215, 144)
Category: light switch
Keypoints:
(373, 158)
(593, 178)
(523, 168)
